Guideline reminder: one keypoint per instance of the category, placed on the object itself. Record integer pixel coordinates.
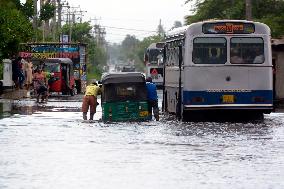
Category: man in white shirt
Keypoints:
(259, 58)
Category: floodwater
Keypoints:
(44, 146)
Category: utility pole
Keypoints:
(35, 19)
(41, 2)
(61, 6)
(71, 21)
(81, 15)
(70, 28)
(54, 24)
(70, 13)
(248, 10)
(97, 29)
(77, 13)
(100, 33)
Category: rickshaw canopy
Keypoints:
(59, 60)
(124, 86)
(123, 77)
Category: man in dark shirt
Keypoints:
(152, 98)
(15, 71)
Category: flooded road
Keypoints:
(49, 146)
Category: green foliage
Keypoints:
(47, 11)
(269, 12)
(97, 59)
(276, 24)
(80, 31)
(177, 24)
(129, 45)
(28, 8)
(145, 43)
(132, 49)
(14, 29)
(218, 9)
(10, 4)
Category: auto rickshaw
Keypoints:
(124, 97)
(60, 75)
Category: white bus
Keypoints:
(218, 65)
(153, 59)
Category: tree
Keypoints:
(177, 24)
(129, 46)
(130, 42)
(269, 12)
(47, 12)
(97, 58)
(80, 31)
(14, 28)
(28, 8)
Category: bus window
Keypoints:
(154, 55)
(247, 50)
(209, 50)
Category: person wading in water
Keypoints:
(90, 100)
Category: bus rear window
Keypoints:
(209, 50)
(247, 50)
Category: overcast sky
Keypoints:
(132, 14)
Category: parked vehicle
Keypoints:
(218, 66)
(124, 97)
(60, 75)
(153, 59)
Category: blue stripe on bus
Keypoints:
(213, 98)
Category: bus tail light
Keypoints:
(197, 99)
(258, 99)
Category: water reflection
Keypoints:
(5, 109)
(29, 107)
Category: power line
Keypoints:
(128, 29)
(128, 32)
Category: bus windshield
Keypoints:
(52, 67)
(209, 50)
(125, 91)
(246, 50)
(155, 55)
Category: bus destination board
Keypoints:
(228, 28)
